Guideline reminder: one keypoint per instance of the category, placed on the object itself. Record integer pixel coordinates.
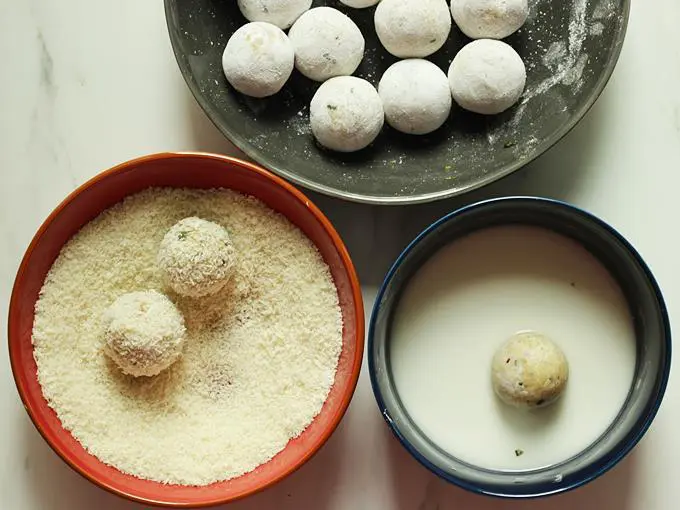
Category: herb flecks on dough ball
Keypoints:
(415, 95)
(196, 257)
(412, 28)
(144, 333)
(258, 59)
(487, 77)
(529, 370)
(281, 13)
(327, 43)
(346, 114)
(489, 19)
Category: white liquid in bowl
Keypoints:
(471, 296)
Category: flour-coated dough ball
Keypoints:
(487, 76)
(281, 13)
(529, 370)
(196, 257)
(144, 333)
(258, 59)
(359, 4)
(416, 96)
(412, 28)
(327, 43)
(346, 114)
(489, 19)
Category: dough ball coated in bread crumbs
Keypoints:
(144, 333)
(196, 257)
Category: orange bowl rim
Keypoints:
(297, 195)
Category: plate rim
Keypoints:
(255, 154)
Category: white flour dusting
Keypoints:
(555, 54)
(573, 75)
(605, 9)
(596, 28)
(300, 123)
(568, 56)
(565, 58)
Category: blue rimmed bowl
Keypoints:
(650, 320)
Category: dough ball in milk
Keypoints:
(529, 370)
(144, 333)
(258, 59)
(416, 96)
(412, 28)
(196, 257)
(346, 114)
(327, 43)
(359, 4)
(487, 76)
(489, 19)
(281, 13)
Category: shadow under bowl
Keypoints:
(190, 170)
(652, 331)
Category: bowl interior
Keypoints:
(570, 49)
(649, 317)
(194, 171)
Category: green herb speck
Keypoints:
(182, 235)
(448, 168)
(331, 107)
(519, 453)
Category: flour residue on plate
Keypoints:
(565, 59)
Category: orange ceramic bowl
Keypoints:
(191, 170)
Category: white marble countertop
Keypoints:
(88, 84)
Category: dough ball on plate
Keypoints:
(416, 96)
(346, 114)
(489, 19)
(412, 28)
(529, 370)
(196, 257)
(281, 13)
(487, 77)
(359, 4)
(258, 59)
(327, 43)
(144, 333)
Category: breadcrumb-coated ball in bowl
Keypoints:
(196, 257)
(144, 333)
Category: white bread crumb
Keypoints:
(260, 355)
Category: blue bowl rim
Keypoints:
(600, 468)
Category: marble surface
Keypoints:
(85, 85)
